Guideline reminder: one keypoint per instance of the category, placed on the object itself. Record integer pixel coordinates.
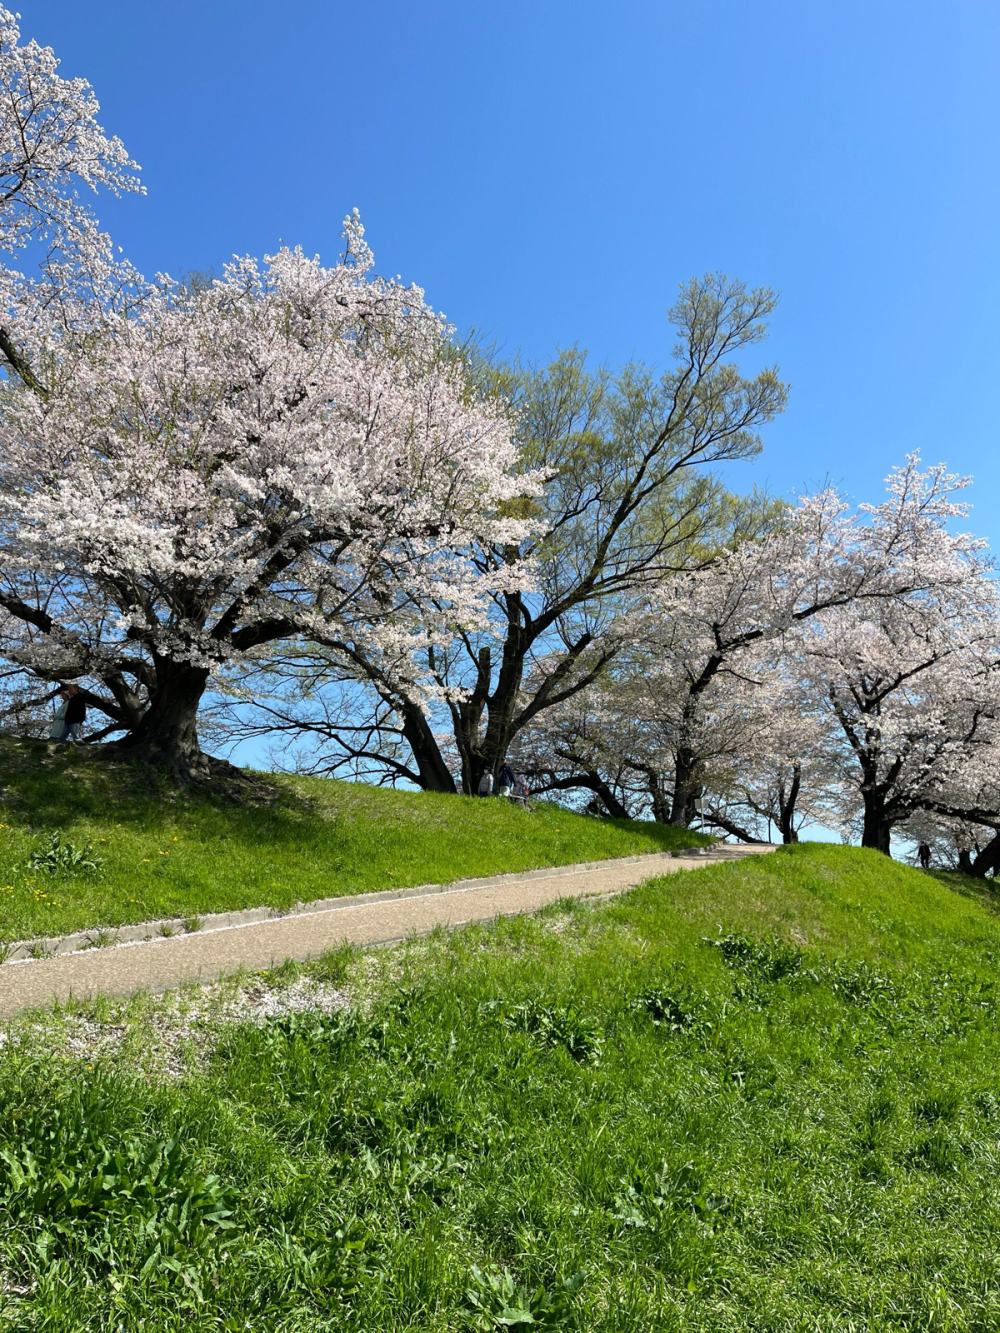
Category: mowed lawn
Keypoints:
(761, 1097)
(161, 853)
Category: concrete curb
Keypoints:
(105, 937)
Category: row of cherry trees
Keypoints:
(287, 504)
(839, 668)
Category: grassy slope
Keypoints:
(806, 1140)
(167, 855)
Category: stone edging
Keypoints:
(52, 946)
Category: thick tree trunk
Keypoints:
(167, 735)
(786, 806)
(877, 830)
(687, 789)
(433, 771)
(986, 860)
(502, 703)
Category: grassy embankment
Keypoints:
(760, 1097)
(162, 854)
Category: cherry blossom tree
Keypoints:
(959, 810)
(193, 472)
(52, 148)
(217, 468)
(706, 686)
(910, 699)
(910, 684)
(785, 777)
(621, 740)
(598, 748)
(970, 845)
(50, 145)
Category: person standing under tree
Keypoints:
(76, 714)
(57, 730)
(924, 853)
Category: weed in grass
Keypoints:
(860, 983)
(577, 1033)
(73, 1180)
(497, 1300)
(769, 961)
(192, 923)
(59, 856)
(672, 1010)
(646, 1199)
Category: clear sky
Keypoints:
(550, 170)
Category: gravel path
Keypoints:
(368, 919)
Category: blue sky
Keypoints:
(550, 171)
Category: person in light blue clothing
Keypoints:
(69, 717)
(57, 729)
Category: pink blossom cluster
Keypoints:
(855, 649)
(190, 472)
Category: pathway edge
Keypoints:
(168, 962)
(141, 932)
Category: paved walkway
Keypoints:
(368, 919)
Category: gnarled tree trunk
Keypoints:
(687, 788)
(167, 734)
(433, 771)
(986, 860)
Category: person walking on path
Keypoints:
(924, 853)
(486, 784)
(76, 714)
(508, 781)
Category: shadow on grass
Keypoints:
(53, 785)
(50, 785)
(969, 886)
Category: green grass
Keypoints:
(760, 1097)
(163, 854)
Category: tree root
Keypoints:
(198, 773)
